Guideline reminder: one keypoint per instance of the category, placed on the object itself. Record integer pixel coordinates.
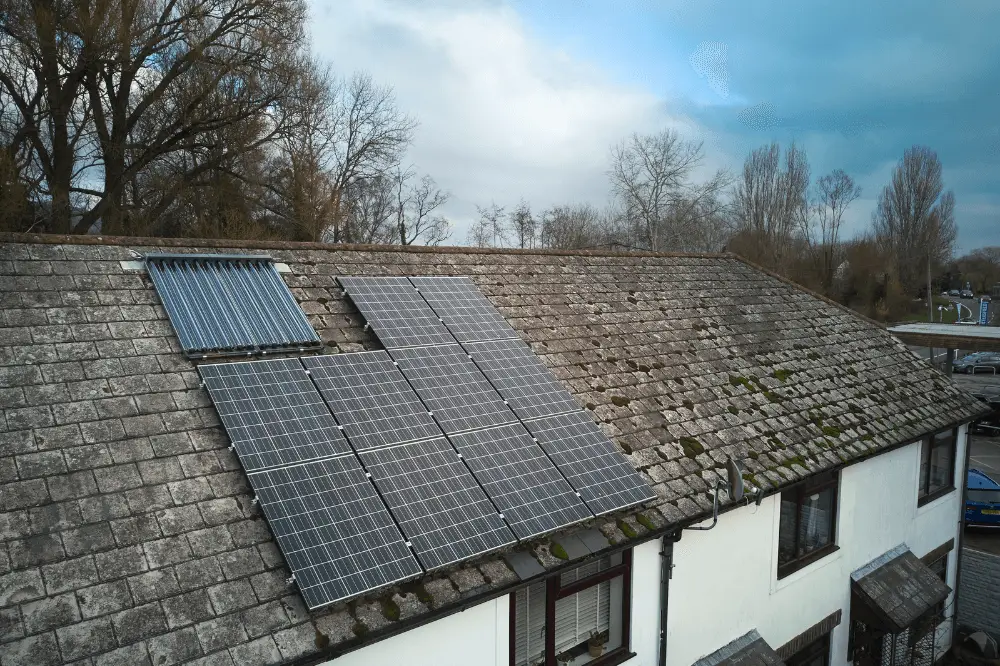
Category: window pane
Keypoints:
(925, 459)
(529, 632)
(942, 462)
(595, 612)
(786, 528)
(816, 521)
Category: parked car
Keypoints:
(967, 293)
(982, 505)
(954, 292)
(988, 362)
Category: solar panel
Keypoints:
(590, 461)
(438, 504)
(336, 534)
(396, 311)
(371, 399)
(453, 387)
(465, 311)
(521, 480)
(228, 304)
(521, 378)
(272, 412)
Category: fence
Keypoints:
(979, 591)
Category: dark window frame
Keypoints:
(819, 483)
(554, 592)
(942, 555)
(820, 646)
(924, 494)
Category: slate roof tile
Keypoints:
(115, 473)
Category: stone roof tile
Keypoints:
(126, 523)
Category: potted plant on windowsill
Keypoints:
(596, 642)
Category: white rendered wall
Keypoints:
(724, 580)
(480, 636)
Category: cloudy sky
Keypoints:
(523, 98)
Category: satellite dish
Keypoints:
(735, 480)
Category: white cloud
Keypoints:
(501, 114)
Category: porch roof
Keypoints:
(747, 650)
(899, 588)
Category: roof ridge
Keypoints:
(87, 239)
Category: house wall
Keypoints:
(724, 580)
(481, 635)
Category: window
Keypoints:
(808, 527)
(939, 565)
(579, 617)
(816, 653)
(937, 466)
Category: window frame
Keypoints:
(554, 591)
(817, 647)
(820, 483)
(924, 495)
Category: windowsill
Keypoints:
(788, 569)
(936, 495)
(613, 658)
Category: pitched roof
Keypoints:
(126, 525)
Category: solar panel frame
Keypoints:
(396, 311)
(590, 461)
(273, 413)
(438, 504)
(518, 476)
(371, 399)
(337, 536)
(467, 313)
(521, 378)
(449, 383)
(229, 304)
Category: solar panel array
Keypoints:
(373, 467)
(464, 310)
(598, 471)
(521, 378)
(523, 483)
(393, 307)
(229, 304)
(273, 413)
(371, 399)
(458, 394)
(437, 502)
(336, 534)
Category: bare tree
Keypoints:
(417, 202)
(524, 225)
(770, 204)
(650, 176)
(834, 193)
(572, 227)
(914, 220)
(489, 230)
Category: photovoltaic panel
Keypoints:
(228, 304)
(396, 311)
(465, 311)
(437, 502)
(452, 386)
(371, 399)
(520, 479)
(272, 412)
(590, 461)
(521, 378)
(336, 534)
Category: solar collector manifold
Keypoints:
(229, 304)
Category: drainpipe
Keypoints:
(961, 530)
(666, 566)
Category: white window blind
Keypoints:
(588, 610)
(529, 634)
